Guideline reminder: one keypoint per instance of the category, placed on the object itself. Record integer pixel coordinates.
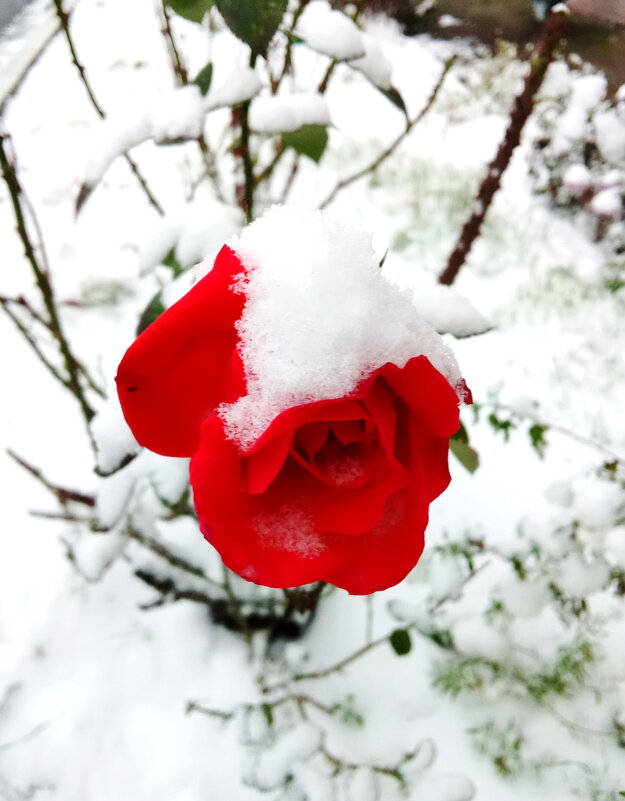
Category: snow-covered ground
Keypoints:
(515, 682)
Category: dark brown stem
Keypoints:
(300, 600)
(63, 18)
(244, 152)
(42, 279)
(395, 143)
(552, 33)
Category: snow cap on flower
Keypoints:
(319, 317)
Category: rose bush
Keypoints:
(335, 490)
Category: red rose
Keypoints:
(335, 490)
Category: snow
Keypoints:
(579, 577)
(239, 85)
(281, 114)
(119, 132)
(615, 546)
(577, 179)
(610, 133)
(269, 769)
(319, 317)
(114, 440)
(374, 64)
(330, 32)
(178, 115)
(607, 204)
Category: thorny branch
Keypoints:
(395, 143)
(552, 34)
(63, 18)
(73, 369)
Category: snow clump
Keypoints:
(319, 318)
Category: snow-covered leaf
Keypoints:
(253, 21)
(396, 99)
(330, 32)
(240, 85)
(289, 112)
(203, 78)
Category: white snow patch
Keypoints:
(113, 439)
(610, 135)
(319, 317)
(288, 113)
(270, 768)
(579, 577)
(577, 179)
(607, 204)
(240, 85)
(475, 637)
(598, 503)
(330, 32)
(374, 64)
(614, 544)
(178, 115)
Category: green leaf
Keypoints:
(462, 450)
(396, 99)
(253, 21)
(204, 77)
(538, 439)
(170, 260)
(309, 140)
(192, 10)
(153, 310)
(400, 642)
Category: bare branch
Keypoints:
(395, 143)
(63, 18)
(552, 34)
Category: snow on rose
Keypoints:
(315, 403)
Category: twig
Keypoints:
(179, 67)
(176, 561)
(63, 18)
(181, 75)
(395, 143)
(288, 56)
(21, 301)
(247, 200)
(71, 364)
(64, 495)
(552, 33)
(33, 344)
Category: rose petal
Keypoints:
(266, 539)
(184, 364)
(264, 464)
(382, 558)
(428, 394)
